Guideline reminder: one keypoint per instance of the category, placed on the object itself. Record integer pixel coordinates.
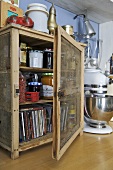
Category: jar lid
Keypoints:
(47, 74)
(35, 83)
(48, 50)
(37, 5)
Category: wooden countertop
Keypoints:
(87, 152)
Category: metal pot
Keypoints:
(68, 29)
(99, 108)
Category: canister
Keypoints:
(47, 85)
(39, 14)
(47, 79)
(34, 86)
(36, 58)
(48, 59)
(68, 29)
(22, 56)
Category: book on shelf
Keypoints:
(49, 111)
(22, 126)
(34, 125)
(35, 122)
(63, 118)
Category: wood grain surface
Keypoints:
(87, 152)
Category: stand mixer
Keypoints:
(98, 99)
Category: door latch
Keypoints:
(60, 94)
(16, 90)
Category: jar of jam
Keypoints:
(47, 79)
(47, 85)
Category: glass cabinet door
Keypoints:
(68, 90)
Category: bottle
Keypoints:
(22, 88)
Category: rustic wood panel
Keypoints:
(5, 90)
(5, 127)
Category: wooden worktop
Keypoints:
(88, 152)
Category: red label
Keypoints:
(12, 8)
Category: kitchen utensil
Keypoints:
(24, 21)
(99, 108)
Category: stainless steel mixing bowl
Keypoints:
(99, 108)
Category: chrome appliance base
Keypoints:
(105, 130)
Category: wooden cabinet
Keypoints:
(68, 70)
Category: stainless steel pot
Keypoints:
(99, 108)
(68, 29)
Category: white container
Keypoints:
(38, 13)
(94, 76)
(36, 59)
(37, 6)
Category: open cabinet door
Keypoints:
(68, 104)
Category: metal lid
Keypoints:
(67, 26)
(47, 74)
(35, 83)
(37, 5)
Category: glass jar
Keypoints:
(47, 85)
(48, 59)
(22, 57)
(34, 86)
(47, 79)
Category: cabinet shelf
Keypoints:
(40, 101)
(34, 69)
(35, 142)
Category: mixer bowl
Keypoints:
(98, 108)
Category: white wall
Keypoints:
(106, 35)
(63, 17)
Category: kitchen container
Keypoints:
(68, 29)
(48, 59)
(6, 10)
(34, 86)
(99, 107)
(95, 76)
(39, 14)
(36, 59)
(47, 79)
(47, 85)
(22, 54)
(32, 96)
